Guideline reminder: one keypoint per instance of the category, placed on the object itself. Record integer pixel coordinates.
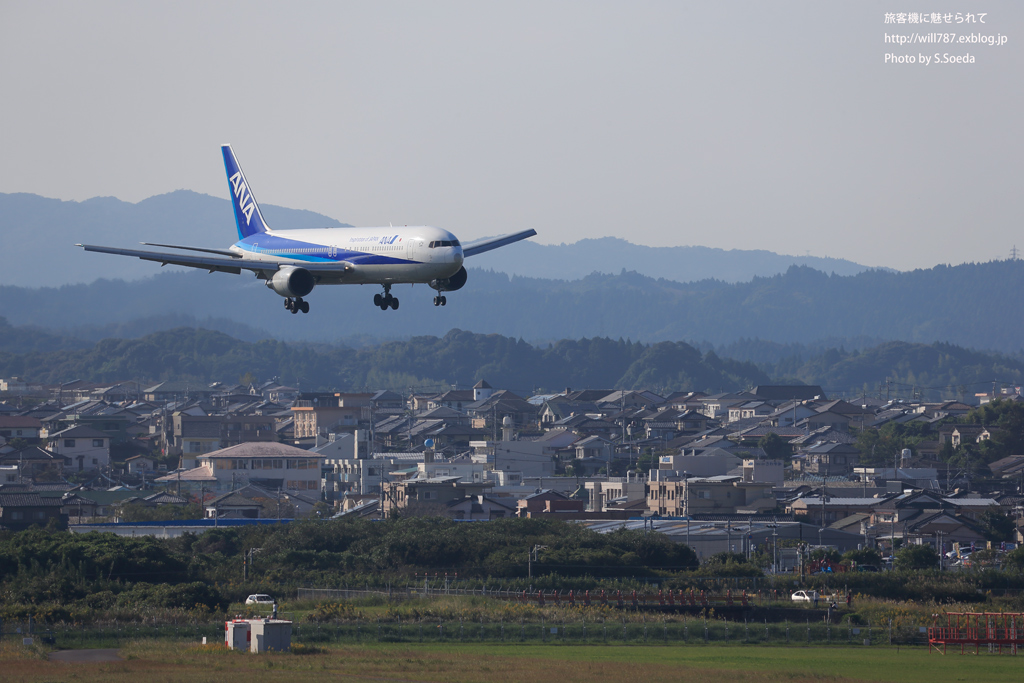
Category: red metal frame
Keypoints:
(992, 629)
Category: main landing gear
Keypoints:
(440, 301)
(296, 305)
(386, 301)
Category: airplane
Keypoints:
(293, 262)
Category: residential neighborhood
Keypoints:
(771, 455)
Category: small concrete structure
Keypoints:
(270, 634)
(237, 634)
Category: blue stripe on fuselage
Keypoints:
(283, 247)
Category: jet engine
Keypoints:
(450, 284)
(293, 282)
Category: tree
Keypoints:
(864, 556)
(996, 526)
(774, 446)
(917, 557)
(1015, 559)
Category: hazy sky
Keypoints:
(773, 125)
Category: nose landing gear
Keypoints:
(296, 305)
(386, 301)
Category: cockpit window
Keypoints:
(444, 243)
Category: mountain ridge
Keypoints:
(35, 229)
(966, 305)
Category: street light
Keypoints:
(531, 557)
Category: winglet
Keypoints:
(248, 218)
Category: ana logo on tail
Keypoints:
(243, 195)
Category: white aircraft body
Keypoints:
(293, 262)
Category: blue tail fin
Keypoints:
(248, 218)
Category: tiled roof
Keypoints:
(15, 421)
(20, 500)
(261, 449)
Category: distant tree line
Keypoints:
(927, 371)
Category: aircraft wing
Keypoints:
(495, 242)
(225, 265)
(210, 263)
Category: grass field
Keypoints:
(165, 661)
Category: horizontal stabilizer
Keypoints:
(495, 242)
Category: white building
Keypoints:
(768, 471)
(83, 448)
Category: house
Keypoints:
(139, 464)
(969, 434)
(19, 427)
(557, 410)
(594, 447)
(632, 399)
(546, 500)
(499, 405)
(427, 496)
(83, 448)
(197, 434)
(166, 392)
(831, 509)
(325, 413)
(711, 462)
(528, 458)
(33, 463)
(788, 392)
(248, 502)
(480, 507)
(271, 466)
(749, 409)
(164, 498)
(704, 495)
(387, 402)
(615, 492)
(19, 511)
(1008, 467)
(826, 418)
(456, 399)
(790, 413)
(828, 459)
(83, 503)
(963, 433)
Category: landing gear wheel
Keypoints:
(437, 301)
(305, 307)
(444, 301)
(294, 309)
(377, 299)
(288, 304)
(394, 303)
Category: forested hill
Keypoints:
(972, 305)
(461, 358)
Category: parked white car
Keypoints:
(259, 599)
(805, 596)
